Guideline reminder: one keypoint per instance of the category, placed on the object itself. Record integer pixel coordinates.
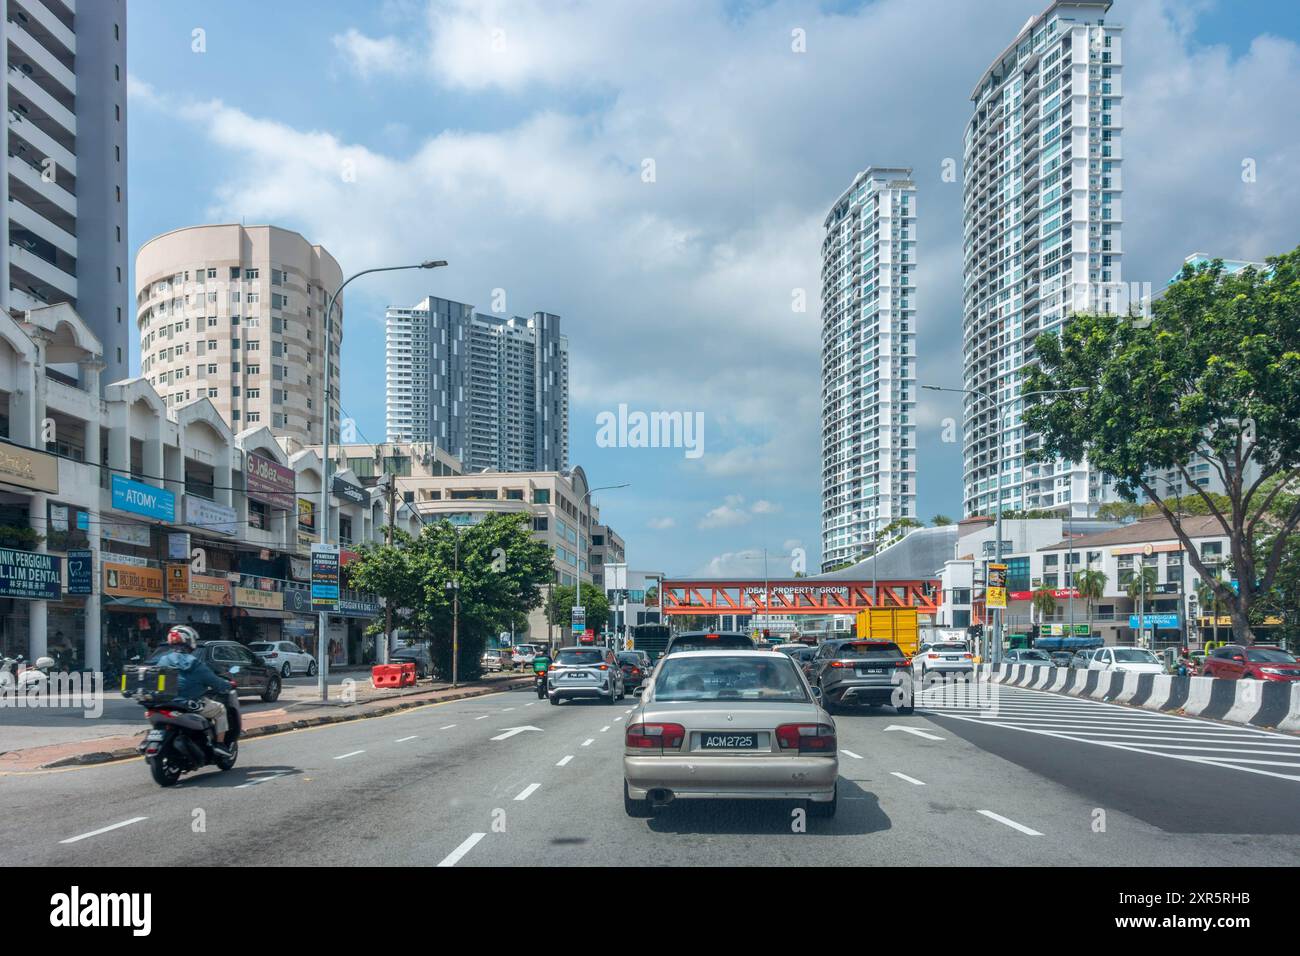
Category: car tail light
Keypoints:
(603, 667)
(636, 671)
(655, 736)
(807, 738)
(905, 662)
(839, 664)
(969, 656)
(933, 657)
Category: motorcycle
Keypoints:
(16, 675)
(181, 739)
(539, 677)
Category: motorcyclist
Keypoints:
(195, 679)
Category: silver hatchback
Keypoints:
(729, 725)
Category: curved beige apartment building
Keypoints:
(236, 314)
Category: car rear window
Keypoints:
(629, 658)
(261, 647)
(947, 647)
(729, 678)
(579, 655)
(1266, 655)
(718, 642)
(869, 650)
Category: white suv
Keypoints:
(285, 656)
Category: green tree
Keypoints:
(559, 607)
(1091, 585)
(939, 521)
(1213, 376)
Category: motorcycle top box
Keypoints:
(151, 684)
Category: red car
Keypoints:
(1257, 662)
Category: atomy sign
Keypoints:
(142, 499)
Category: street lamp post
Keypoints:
(586, 499)
(996, 650)
(454, 586)
(322, 625)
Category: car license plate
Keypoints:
(156, 735)
(576, 676)
(871, 670)
(728, 741)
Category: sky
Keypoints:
(658, 176)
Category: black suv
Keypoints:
(234, 661)
(709, 641)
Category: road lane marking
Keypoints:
(913, 730)
(617, 719)
(588, 742)
(564, 760)
(528, 791)
(347, 755)
(1011, 823)
(529, 705)
(850, 753)
(269, 775)
(403, 740)
(452, 858)
(448, 727)
(903, 776)
(605, 728)
(511, 731)
(484, 717)
(507, 710)
(115, 826)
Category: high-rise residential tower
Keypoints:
(236, 314)
(493, 391)
(1042, 223)
(868, 361)
(64, 188)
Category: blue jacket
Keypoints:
(195, 676)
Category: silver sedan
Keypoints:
(729, 725)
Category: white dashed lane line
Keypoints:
(452, 858)
(448, 727)
(850, 753)
(484, 717)
(347, 755)
(402, 740)
(528, 791)
(564, 760)
(605, 728)
(589, 741)
(903, 776)
(1011, 823)
(115, 826)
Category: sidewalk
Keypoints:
(298, 707)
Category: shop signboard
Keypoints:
(30, 575)
(347, 491)
(141, 499)
(126, 532)
(178, 546)
(257, 598)
(209, 515)
(205, 589)
(178, 580)
(81, 571)
(268, 482)
(130, 581)
(28, 468)
(298, 600)
(995, 594)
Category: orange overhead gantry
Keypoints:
(796, 596)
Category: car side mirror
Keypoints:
(235, 669)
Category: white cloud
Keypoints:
(729, 514)
(662, 524)
(764, 507)
(370, 56)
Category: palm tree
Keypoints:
(1142, 583)
(1091, 585)
(1044, 602)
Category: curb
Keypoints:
(107, 756)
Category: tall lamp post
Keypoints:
(586, 499)
(322, 625)
(996, 651)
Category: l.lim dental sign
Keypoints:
(141, 499)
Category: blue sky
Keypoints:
(510, 138)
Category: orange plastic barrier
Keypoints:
(408, 673)
(386, 675)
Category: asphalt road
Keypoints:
(1039, 782)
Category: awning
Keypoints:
(136, 604)
(263, 612)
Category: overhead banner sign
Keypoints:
(324, 575)
(209, 515)
(30, 575)
(268, 482)
(139, 498)
(81, 572)
(995, 594)
(28, 468)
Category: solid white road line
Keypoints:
(402, 740)
(1011, 823)
(903, 776)
(564, 760)
(452, 858)
(115, 826)
(528, 791)
(588, 742)
(347, 755)
(850, 753)
(448, 727)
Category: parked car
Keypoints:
(863, 672)
(1129, 660)
(1257, 662)
(235, 662)
(419, 653)
(1031, 656)
(729, 724)
(497, 659)
(523, 654)
(285, 656)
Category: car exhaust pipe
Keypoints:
(661, 798)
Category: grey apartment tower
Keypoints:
(491, 390)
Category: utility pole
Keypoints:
(454, 585)
(388, 605)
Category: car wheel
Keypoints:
(636, 808)
(311, 669)
(905, 710)
(287, 670)
(272, 691)
(825, 811)
(555, 699)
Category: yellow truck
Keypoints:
(900, 625)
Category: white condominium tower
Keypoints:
(868, 361)
(1042, 237)
(493, 391)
